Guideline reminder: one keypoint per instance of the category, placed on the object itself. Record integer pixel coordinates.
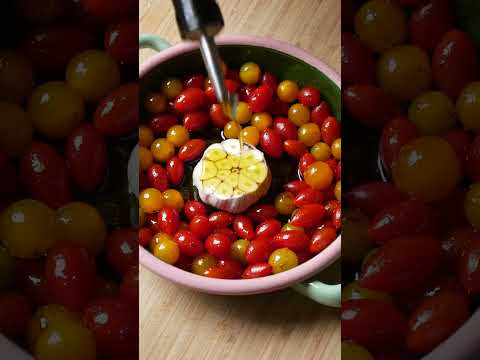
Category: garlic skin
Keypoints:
(237, 188)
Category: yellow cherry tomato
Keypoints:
(16, 76)
(355, 291)
(81, 224)
(338, 190)
(419, 172)
(337, 148)
(472, 205)
(232, 130)
(16, 130)
(404, 72)
(178, 135)
(433, 113)
(158, 238)
(145, 158)
(289, 226)
(162, 149)
(243, 114)
(93, 73)
(352, 351)
(468, 106)
(381, 24)
(238, 250)
(319, 175)
(284, 203)
(355, 240)
(250, 135)
(145, 136)
(202, 263)
(321, 151)
(309, 134)
(155, 103)
(299, 114)
(172, 87)
(27, 228)
(282, 260)
(287, 91)
(173, 199)
(151, 200)
(261, 120)
(167, 251)
(249, 73)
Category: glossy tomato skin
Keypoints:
(296, 187)
(456, 244)
(161, 123)
(470, 267)
(260, 98)
(308, 216)
(285, 128)
(15, 312)
(270, 80)
(396, 133)
(373, 323)
(472, 163)
(268, 228)
(218, 245)
(309, 96)
(257, 270)
(189, 243)
(86, 156)
(402, 264)
(308, 196)
(271, 143)
(175, 170)
(454, 62)
(320, 113)
(232, 235)
(231, 269)
(157, 177)
(220, 219)
(305, 161)
(44, 174)
(51, 49)
(294, 148)
(114, 326)
(193, 208)
(261, 212)
(122, 250)
(330, 130)
(121, 42)
(243, 226)
(196, 80)
(189, 100)
(258, 250)
(295, 240)
(435, 319)
(405, 218)
(358, 63)
(192, 150)
(321, 238)
(200, 226)
(196, 121)
(70, 276)
(219, 119)
(168, 220)
(30, 279)
(117, 114)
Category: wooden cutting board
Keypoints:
(176, 323)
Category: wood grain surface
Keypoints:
(176, 323)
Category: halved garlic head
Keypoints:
(231, 179)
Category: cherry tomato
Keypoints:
(192, 150)
(282, 260)
(285, 128)
(156, 103)
(321, 238)
(220, 219)
(262, 212)
(294, 240)
(299, 114)
(260, 98)
(144, 236)
(295, 187)
(468, 106)
(261, 120)
(122, 249)
(239, 249)
(353, 291)
(228, 232)
(287, 91)
(456, 243)
(270, 80)
(402, 264)
(168, 220)
(284, 203)
(268, 228)
(396, 133)
(250, 73)
(196, 121)
(320, 113)
(258, 251)
(219, 119)
(308, 216)
(351, 351)
(277, 107)
(188, 243)
(218, 245)
(189, 100)
(157, 177)
(161, 123)
(257, 270)
(469, 267)
(15, 312)
(175, 170)
(358, 63)
(243, 226)
(308, 196)
(309, 96)
(194, 81)
(202, 263)
(150, 200)
(194, 208)
(304, 163)
(121, 42)
(318, 175)
(165, 249)
(201, 226)
(330, 130)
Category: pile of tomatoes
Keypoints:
(286, 122)
(68, 95)
(413, 239)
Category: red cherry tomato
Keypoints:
(192, 150)
(330, 130)
(372, 197)
(337, 217)
(308, 216)
(320, 113)
(168, 220)
(470, 267)
(358, 63)
(219, 119)
(321, 238)
(196, 121)
(44, 173)
(306, 160)
(278, 108)
(402, 264)
(338, 171)
(373, 323)
(473, 160)
(218, 245)
(86, 156)
(296, 187)
(261, 212)
(190, 99)
(210, 95)
(245, 92)
(308, 196)
(129, 288)
(144, 236)
(295, 240)
(121, 42)
(157, 177)
(189, 243)
(243, 226)
(15, 312)
(257, 270)
(294, 148)
(220, 219)
(30, 279)
(309, 96)
(396, 133)
(435, 319)
(271, 143)
(228, 269)
(285, 128)
(232, 235)
(369, 105)
(269, 80)
(194, 81)
(258, 251)
(117, 114)
(194, 208)
(454, 62)
(151, 220)
(268, 228)
(70, 276)
(161, 123)
(260, 98)
(200, 226)
(456, 244)
(175, 170)
(114, 326)
(408, 217)
(122, 249)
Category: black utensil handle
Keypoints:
(196, 17)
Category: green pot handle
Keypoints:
(324, 294)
